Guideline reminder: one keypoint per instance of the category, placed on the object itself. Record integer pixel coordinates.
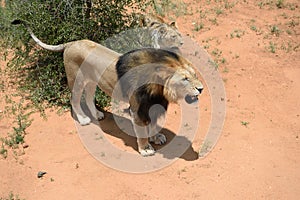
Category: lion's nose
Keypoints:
(200, 89)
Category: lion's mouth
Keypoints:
(191, 99)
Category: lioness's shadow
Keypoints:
(109, 126)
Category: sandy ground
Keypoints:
(257, 161)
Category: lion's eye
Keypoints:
(185, 79)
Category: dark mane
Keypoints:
(145, 101)
(139, 57)
(151, 80)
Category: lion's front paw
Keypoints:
(83, 120)
(147, 151)
(158, 139)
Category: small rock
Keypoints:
(41, 174)
(25, 145)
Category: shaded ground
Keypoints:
(258, 154)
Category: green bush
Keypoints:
(40, 73)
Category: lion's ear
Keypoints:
(174, 24)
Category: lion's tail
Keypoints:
(56, 48)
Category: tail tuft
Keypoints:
(17, 21)
(56, 48)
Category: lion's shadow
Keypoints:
(109, 126)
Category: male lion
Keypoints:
(147, 77)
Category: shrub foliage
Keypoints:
(40, 73)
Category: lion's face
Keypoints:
(168, 36)
(183, 84)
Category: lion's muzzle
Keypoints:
(193, 98)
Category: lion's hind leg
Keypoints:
(77, 90)
(76, 107)
(90, 89)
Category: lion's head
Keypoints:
(166, 36)
(183, 84)
(158, 73)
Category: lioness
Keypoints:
(151, 32)
(158, 77)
